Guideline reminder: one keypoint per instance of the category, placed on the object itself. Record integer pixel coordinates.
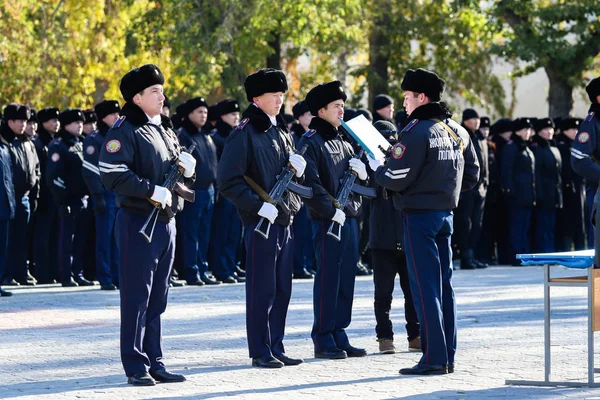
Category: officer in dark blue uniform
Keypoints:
(432, 162)
(383, 108)
(26, 177)
(548, 168)
(226, 234)
(329, 157)
(519, 186)
(255, 153)
(88, 218)
(65, 180)
(103, 201)
(136, 156)
(46, 218)
(194, 221)
(571, 218)
(386, 237)
(90, 123)
(7, 203)
(585, 152)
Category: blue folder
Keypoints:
(570, 259)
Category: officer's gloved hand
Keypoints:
(339, 216)
(99, 204)
(161, 195)
(188, 163)
(298, 163)
(64, 211)
(359, 167)
(269, 211)
(374, 163)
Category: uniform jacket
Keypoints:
(7, 191)
(548, 167)
(137, 155)
(259, 150)
(482, 150)
(585, 152)
(327, 159)
(518, 174)
(573, 183)
(25, 164)
(92, 145)
(63, 173)
(222, 131)
(41, 143)
(428, 167)
(205, 153)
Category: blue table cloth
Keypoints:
(570, 259)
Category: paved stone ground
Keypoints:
(60, 343)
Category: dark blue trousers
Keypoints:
(45, 242)
(144, 270)
(590, 200)
(545, 222)
(71, 242)
(429, 258)
(518, 231)
(333, 290)
(194, 227)
(304, 252)
(16, 267)
(4, 229)
(225, 239)
(107, 254)
(467, 222)
(268, 288)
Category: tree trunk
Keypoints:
(378, 59)
(274, 60)
(560, 95)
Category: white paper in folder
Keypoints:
(367, 136)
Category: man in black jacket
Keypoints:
(432, 162)
(255, 153)
(138, 153)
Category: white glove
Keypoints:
(359, 167)
(188, 162)
(161, 195)
(298, 163)
(374, 163)
(339, 217)
(268, 211)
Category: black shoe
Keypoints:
(46, 282)
(4, 293)
(303, 274)
(361, 271)
(141, 379)
(479, 264)
(84, 282)
(451, 368)
(287, 361)
(352, 351)
(196, 282)
(239, 272)
(466, 264)
(266, 362)
(108, 286)
(174, 283)
(26, 283)
(208, 280)
(70, 283)
(10, 282)
(164, 376)
(424, 369)
(31, 278)
(239, 279)
(228, 279)
(331, 353)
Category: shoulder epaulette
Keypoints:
(119, 122)
(310, 133)
(410, 125)
(590, 116)
(242, 124)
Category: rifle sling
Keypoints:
(260, 191)
(452, 134)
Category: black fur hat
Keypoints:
(423, 81)
(469, 113)
(569, 123)
(299, 109)
(191, 105)
(501, 126)
(139, 79)
(266, 80)
(381, 101)
(71, 115)
(227, 106)
(484, 122)
(107, 107)
(323, 94)
(593, 89)
(16, 112)
(521, 123)
(543, 123)
(90, 116)
(48, 113)
(32, 115)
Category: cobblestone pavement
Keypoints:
(60, 343)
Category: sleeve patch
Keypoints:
(310, 133)
(55, 157)
(113, 146)
(242, 124)
(398, 151)
(583, 137)
(90, 150)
